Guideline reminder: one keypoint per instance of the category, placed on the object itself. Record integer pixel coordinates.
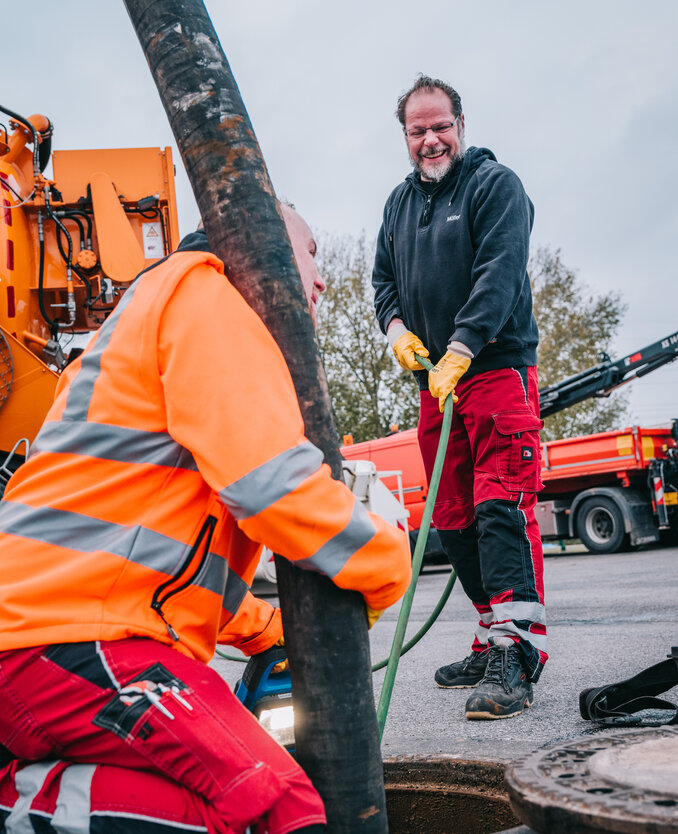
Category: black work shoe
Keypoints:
(464, 674)
(504, 690)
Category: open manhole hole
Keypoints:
(446, 796)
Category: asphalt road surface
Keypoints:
(608, 617)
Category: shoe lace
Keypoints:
(469, 660)
(498, 666)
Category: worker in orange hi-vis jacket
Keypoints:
(128, 540)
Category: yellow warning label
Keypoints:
(671, 497)
(648, 448)
(153, 244)
(625, 444)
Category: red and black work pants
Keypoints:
(484, 510)
(148, 736)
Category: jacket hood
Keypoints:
(194, 242)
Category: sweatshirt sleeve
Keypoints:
(501, 222)
(231, 402)
(386, 298)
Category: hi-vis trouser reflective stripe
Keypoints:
(71, 815)
(64, 796)
(523, 619)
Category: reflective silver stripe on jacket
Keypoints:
(82, 385)
(234, 593)
(108, 442)
(334, 554)
(63, 528)
(271, 481)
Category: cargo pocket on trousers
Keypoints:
(517, 448)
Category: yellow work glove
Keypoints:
(443, 378)
(372, 615)
(405, 347)
(284, 665)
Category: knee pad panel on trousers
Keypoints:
(506, 558)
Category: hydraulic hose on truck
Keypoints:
(398, 647)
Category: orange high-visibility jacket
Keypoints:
(174, 447)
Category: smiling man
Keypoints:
(451, 283)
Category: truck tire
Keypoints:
(600, 525)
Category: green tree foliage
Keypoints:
(575, 327)
(369, 391)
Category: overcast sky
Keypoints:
(579, 98)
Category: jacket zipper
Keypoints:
(159, 599)
(427, 210)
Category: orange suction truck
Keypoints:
(70, 246)
(612, 490)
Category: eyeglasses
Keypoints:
(439, 128)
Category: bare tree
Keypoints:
(370, 392)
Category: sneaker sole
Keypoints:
(457, 685)
(484, 716)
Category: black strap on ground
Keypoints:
(618, 703)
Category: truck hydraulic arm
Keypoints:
(602, 379)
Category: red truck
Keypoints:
(612, 490)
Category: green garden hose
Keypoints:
(406, 606)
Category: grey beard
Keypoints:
(440, 170)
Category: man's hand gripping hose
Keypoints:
(443, 378)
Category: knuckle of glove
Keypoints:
(447, 373)
(405, 348)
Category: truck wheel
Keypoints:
(600, 525)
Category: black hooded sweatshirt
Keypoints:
(451, 262)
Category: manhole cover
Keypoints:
(615, 781)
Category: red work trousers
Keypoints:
(97, 799)
(484, 509)
(139, 705)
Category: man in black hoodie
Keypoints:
(451, 283)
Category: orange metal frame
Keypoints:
(106, 184)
